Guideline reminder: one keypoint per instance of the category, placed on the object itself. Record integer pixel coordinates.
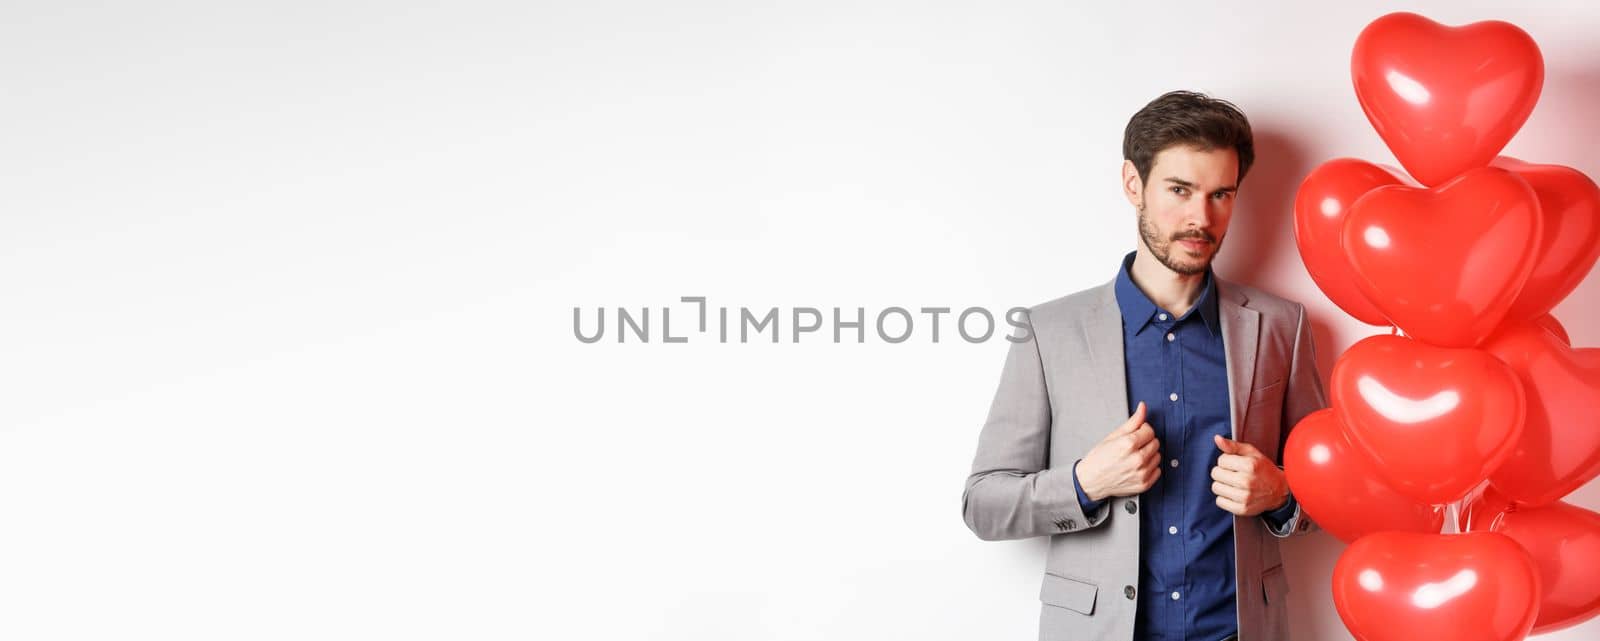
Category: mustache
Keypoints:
(1194, 235)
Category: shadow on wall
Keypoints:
(1260, 240)
(1564, 126)
(1260, 249)
(1563, 123)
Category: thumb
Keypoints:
(1230, 446)
(1136, 420)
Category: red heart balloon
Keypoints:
(1338, 488)
(1445, 99)
(1320, 207)
(1550, 324)
(1434, 421)
(1564, 542)
(1402, 586)
(1445, 264)
(1569, 204)
(1559, 449)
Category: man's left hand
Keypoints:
(1245, 481)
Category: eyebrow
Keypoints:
(1190, 185)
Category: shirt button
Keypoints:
(1161, 316)
(1173, 396)
(1173, 462)
(1171, 338)
(1175, 596)
(1130, 507)
(1172, 529)
(1127, 591)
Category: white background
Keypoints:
(287, 299)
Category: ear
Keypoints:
(1132, 187)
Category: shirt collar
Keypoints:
(1138, 310)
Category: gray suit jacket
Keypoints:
(1063, 391)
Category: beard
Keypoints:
(1187, 263)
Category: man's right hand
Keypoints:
(1126, 462)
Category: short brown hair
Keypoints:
(1186, 118)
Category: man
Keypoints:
(1140, 426)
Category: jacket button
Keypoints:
(1127, 591)
(1130, 507)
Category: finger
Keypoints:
(1229, 492)
(1229, 477)
(1144, 434)
(1227, 446)
(1236, 462)
(1231, 506)
(1150, 454)
(1149, 478)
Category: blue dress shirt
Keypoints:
(1177, 366)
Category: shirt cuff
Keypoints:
(1084, 502)
(1277, 518)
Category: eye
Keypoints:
(1179, 190)
(1221, 195)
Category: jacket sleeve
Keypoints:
(1304, 396)
(1011, 494)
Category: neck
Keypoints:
(1168, 289)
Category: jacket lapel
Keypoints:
(1240, 333)
(1102, 332)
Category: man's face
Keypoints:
(1185, 205)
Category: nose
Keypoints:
(1199, 213)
